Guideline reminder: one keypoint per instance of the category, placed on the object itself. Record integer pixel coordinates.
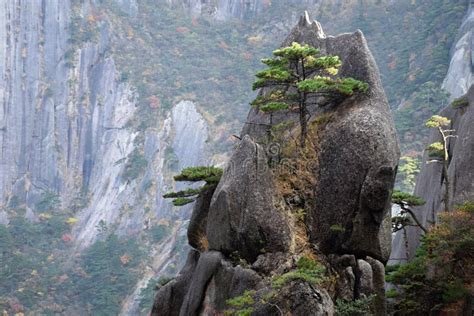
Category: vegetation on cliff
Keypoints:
(209, 175)
(440, 277)
(297, 77)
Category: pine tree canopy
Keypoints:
(298, 68)
(437, 121)
(193, 174)
(399, 197)
(210, 175)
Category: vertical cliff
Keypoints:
(459, 77)
(67, 130)
(430, 184)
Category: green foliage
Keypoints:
(392, 293)
(111, 269)
(182, 201)
(210, 175)
(299, 68)
(460, 103)
(408, 170)
(428, 100)
(241, 305)
(296, 52)
(274, 106)
(49, 202)
(403, 198)
(184, 193)
(360, 307)
(284, 72)
(307, 270)
(406, 217)
(433, 279)
(344, 86)
(467, 206)
(437, 121)
(243, 300)
(436, 150)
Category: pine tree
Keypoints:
(439, 151)
(209, 175)
(406, 201)
(296, 76)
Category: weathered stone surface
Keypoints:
(198, 221)
(228, 282)
(170, 297)
(430, 186)
(378, 286)
(346, 284)
(365, 279)
(299, 299)
(244, 215)
(358, 152)
(207, 265)
(460, 77)
(358, 160)
(269, 262)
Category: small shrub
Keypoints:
(354, 308)
(307, 270)
(391, 293)
(460, 103)
(241, 305)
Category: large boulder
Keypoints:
(358, 152)
(246, 215)
(208, 264)
(203, 286)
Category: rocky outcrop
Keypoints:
(358, 153)
(430, 185)
(255, 240)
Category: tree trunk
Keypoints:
(447, 203)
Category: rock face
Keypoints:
(254, 237)
(66, 128)
(244, 215)
(459, 77)
(430, 185)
